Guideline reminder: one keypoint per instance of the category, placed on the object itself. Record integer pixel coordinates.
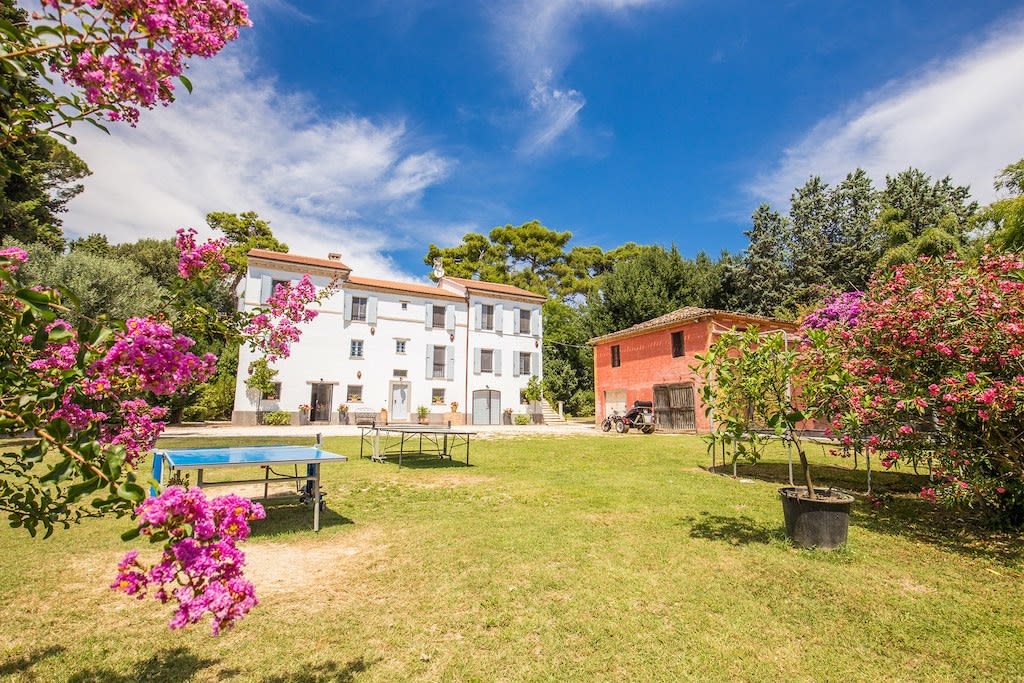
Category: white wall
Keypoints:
(324, 352)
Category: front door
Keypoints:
(320, 402)
(399, 402)
(486, 407)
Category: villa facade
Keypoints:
(386, 345)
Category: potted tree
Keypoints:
(260, 382)
(772, 383)
(423, 413)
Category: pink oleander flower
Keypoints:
(200, 567)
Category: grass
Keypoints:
(560, 558)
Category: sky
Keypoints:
(377, 128)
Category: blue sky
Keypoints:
(376, 128)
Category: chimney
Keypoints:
(334, 256)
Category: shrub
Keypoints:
(277, 417)
(522, 419)
(581, 403)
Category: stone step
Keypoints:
(551, 417)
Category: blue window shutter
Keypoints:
(535, 322)
(476, 361)
(515, 321)
(266, 282)
(515, 364)
(449, 318)
(371, 310)
(430, 361)
(428, 319)
(499, 317)
(535, 364)
(348, 307)
(477, 313)
(497, 362)
(450, 366)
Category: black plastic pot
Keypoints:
(822, 522)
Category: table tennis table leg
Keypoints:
(316, 498)
(199, 478)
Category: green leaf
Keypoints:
(83, 488)
(132, 492)
(131, 534)
(187, 83)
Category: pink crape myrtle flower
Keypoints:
(275, 329)
(137, 47)
(200, 567)
(14, 256)
(197, 259)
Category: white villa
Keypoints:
(396, 346)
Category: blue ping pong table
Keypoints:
(201, 459)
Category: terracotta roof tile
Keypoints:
(297, 259)
(684, 315)
(402, 287)
(495, 288)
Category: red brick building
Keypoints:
(652, 361)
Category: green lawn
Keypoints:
(563, 558)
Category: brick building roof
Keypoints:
(690, 314)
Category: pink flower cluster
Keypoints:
(136, 47)
(841, 309)
(14, 257)
(275, 328)
(935, 356)
(200, 568)
(148, 355)
(208, 256)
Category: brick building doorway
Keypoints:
(674, 407)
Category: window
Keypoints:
(400, 373)
(405, 305)
(486, 317)
(274, 284)
(354, 393)
(677, 345)
(359, 308)
(486, 360)
(274, 394)
(439, 361)
(524, 320)
(357, 348)
(524, 364)
(400, 345)
(616, 358)
(439, 313)
(437, 396)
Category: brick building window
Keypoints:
(678, 347)
(616, 357)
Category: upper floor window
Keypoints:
(524, 320)
(486, 317)
(405, 305)
(678, 348)
(616, 358)
(524, 364)
(400, 345)
(439, 313)
(357, 348)
(359, 308)
(486, 360)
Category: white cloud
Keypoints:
(960, 117)
(237, 144)
(536, 44)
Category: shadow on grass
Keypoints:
(26, 662)
(170, 665)
(428, 462)
(733, 530)
(285, 517)
(923, 522)
(327, 672)
(904, 513)
(829, 475)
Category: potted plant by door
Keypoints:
(755, 381)
(424, 414)
(343, 414)
(304, 414)
(506, 416)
